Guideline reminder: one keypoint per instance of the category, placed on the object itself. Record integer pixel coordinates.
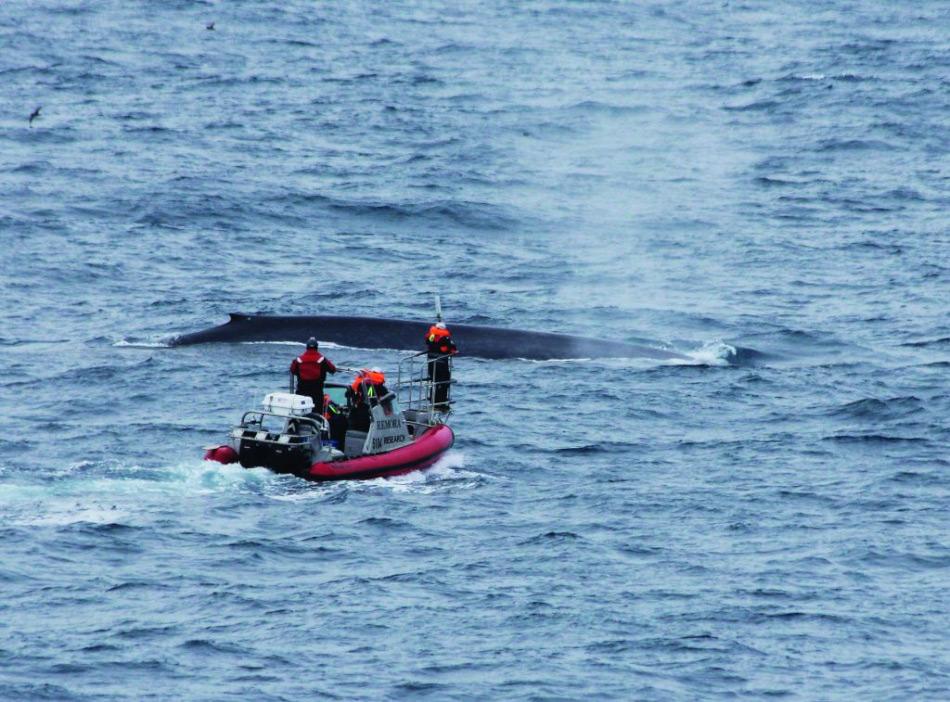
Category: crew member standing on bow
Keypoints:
(440, 346)
(310, 369)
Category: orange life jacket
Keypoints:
(374, 377)
(436, 334)
(440, 341)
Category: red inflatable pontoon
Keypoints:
(421, 453)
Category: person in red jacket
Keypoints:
(310, 369)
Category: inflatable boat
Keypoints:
(392, 433)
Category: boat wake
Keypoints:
(448, 473)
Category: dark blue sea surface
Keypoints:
(763, 186)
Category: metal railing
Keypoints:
(415, 389)
(416, 386)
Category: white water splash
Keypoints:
(276, 343)
(713, 353)
(126, 344)
(105, 493)
(447, 470)
(68, 513)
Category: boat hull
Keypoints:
(425, 450)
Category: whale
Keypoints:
(379, 333)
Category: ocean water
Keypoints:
(765, 177)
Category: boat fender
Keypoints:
(221, 454)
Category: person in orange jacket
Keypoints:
(366, 389)
(310, 369)
(367, 383)
(440, 346)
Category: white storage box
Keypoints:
(287, 404)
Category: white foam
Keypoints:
(447, 470)
(274, 343)
(619, 362)
(92, 493)
(305, 492)
(555, 361)
(452, 464)
(713, 353)
(116, 482)
(124, 343)
(65, 515)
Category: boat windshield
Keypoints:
(336, 392)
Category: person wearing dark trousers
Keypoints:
(310, 370)
(440, 346)
(336, 421)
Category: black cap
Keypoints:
(312, 343)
